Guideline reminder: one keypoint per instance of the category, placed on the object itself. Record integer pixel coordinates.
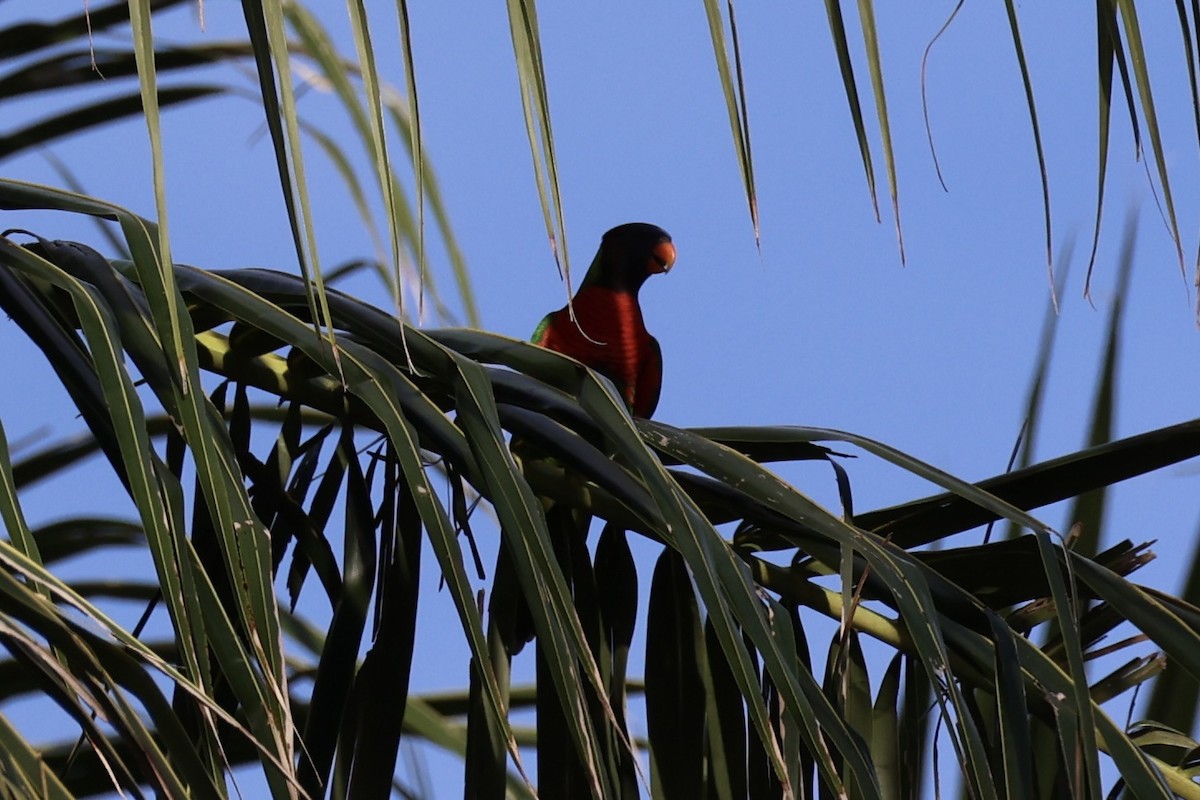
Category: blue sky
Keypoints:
(823, 326)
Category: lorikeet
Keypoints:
(614, 340)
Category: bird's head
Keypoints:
(629, 254)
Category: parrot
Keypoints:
(611, 336)
(602, 327)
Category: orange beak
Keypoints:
(662, 258)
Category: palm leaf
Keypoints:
(662, 501)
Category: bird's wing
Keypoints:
(649, 381)
(539, 333)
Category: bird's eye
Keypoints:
(662, 258)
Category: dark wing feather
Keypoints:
(649, 382)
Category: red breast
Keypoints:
(616, 339)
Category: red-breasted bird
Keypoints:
(614, 340)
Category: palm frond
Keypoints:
(797, 724)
